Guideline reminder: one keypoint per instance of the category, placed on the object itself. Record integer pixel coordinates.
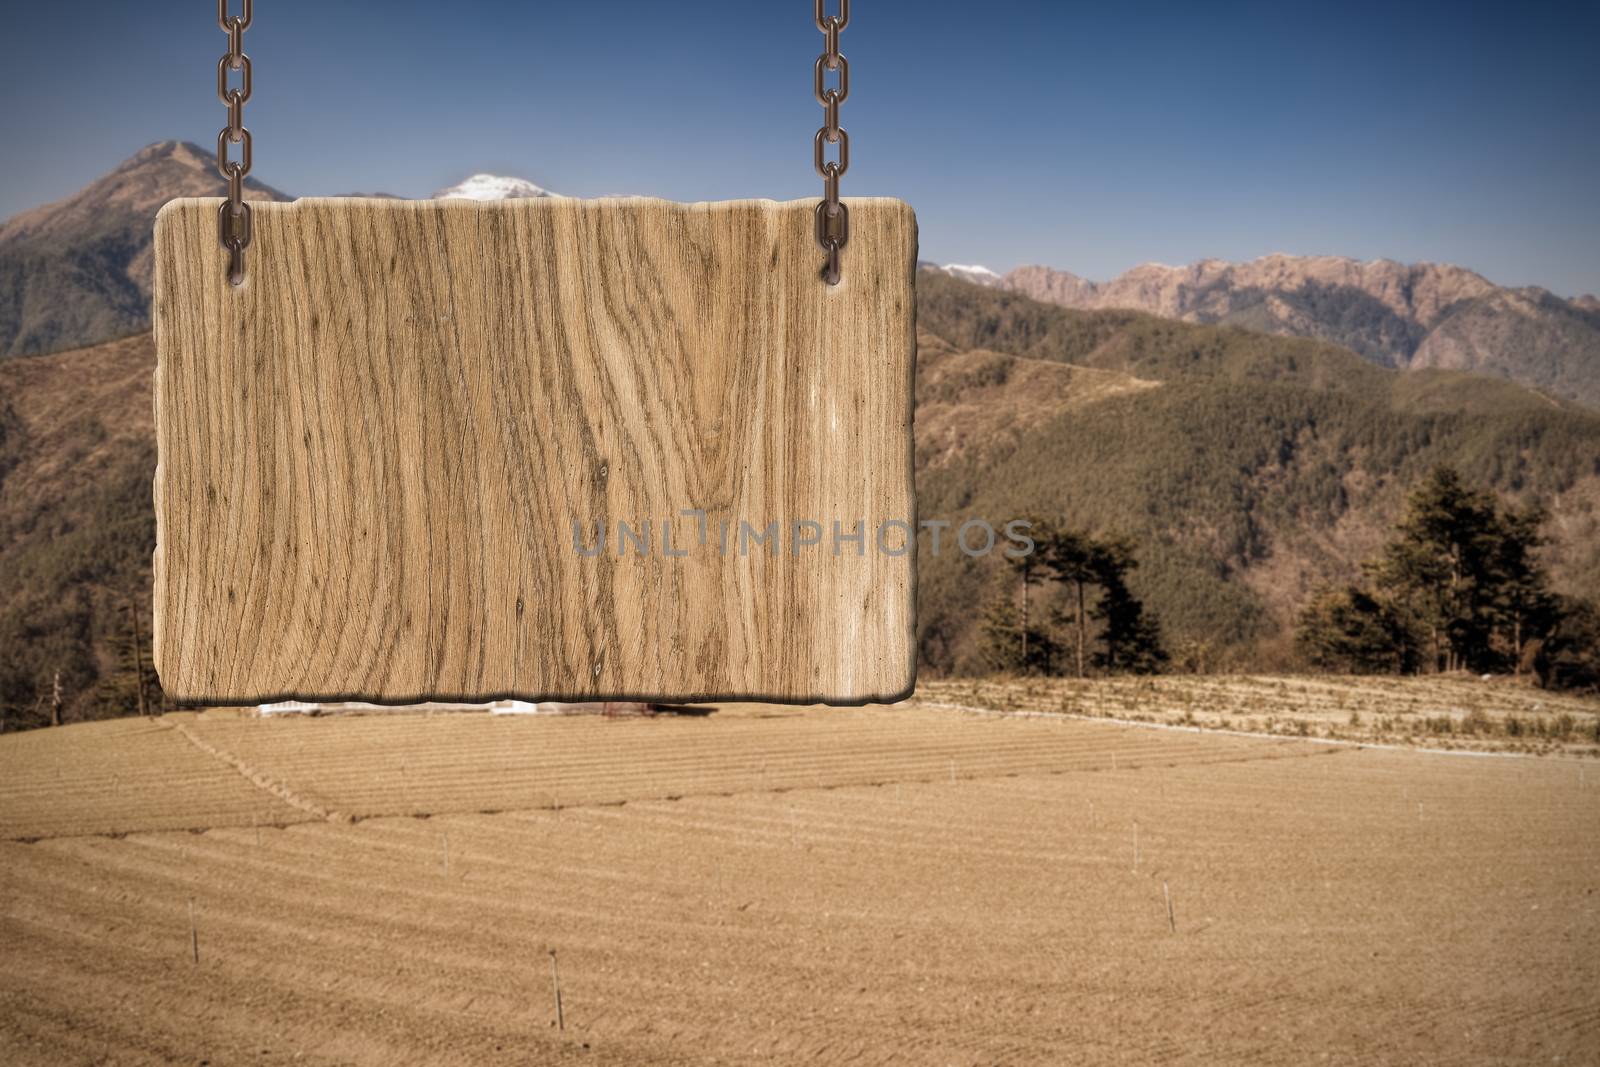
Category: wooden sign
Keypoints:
(546, 448)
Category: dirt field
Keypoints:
(765, 885)
(1452, 712)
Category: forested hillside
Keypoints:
(1258, 468)
(1245, 470)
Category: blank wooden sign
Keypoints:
(388, 458)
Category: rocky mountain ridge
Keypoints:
(79, 270)
(1407, 316)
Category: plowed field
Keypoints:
(766, 885)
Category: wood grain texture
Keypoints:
(374, 451)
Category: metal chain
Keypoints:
(233, 221)
(833, 217)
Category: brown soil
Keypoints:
(1455, 712)
(766, 885)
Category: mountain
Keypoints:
(1424, 315)
(974, 273)
(1248, 468)
(493, 187)
(79, 270)
(77, 527)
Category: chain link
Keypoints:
(233, 221)
(833, 217)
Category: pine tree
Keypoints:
(1459, 586)
(1008, 645)
(1524, 606)
(1014, 642)
(1568, 656)
(1130, 637)
(1351, 631)
(1073, 559)
(1439, 569)
(45, 649)
(128, 689)
(1002, 632)
(1036, 650)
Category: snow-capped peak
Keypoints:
(492, 187)
(972, 272)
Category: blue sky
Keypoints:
(1088, 137)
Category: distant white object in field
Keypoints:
(517, 707)
(287, 707)
(493, 187)
(499, 707)
(610, 707)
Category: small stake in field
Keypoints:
(1136, 845)
(445, 840)
(555, 983)
(194, 935)
(1172, 923)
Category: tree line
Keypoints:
(1458, 586)
(1065, 608)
